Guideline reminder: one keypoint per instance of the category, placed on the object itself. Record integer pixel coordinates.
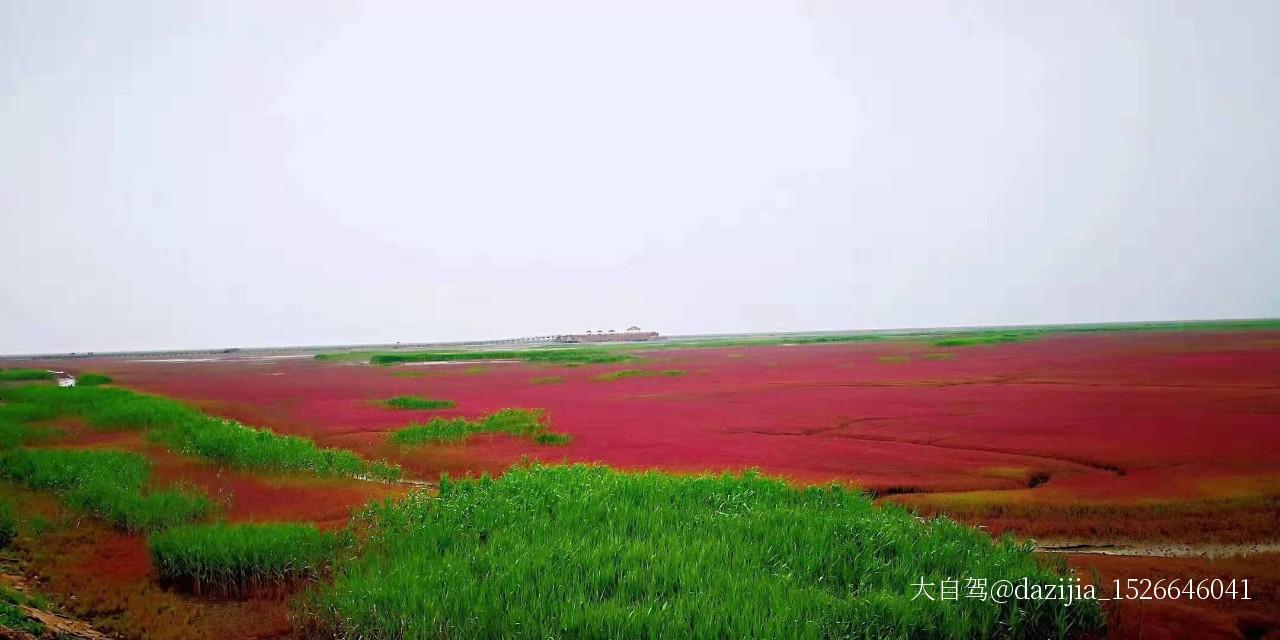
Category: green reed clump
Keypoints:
(562, 355)
(239, 445)
(553, 439)
(109, 484)
(92, 380)
(590, 552)
(15, 375)
(414, 402)
(185, 430)
(240, 559)
(639, 373)
(525, 423)
(8, 523)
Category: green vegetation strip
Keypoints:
(590, 552)
(972, 338)
(92, 380)
(109, 484)
(525, 423)
(14, 617)
(237, 559)
(568, 355)
(8, 523)
(639, 373)
(186, 430)
(11, 375)
(609, 353)
(414, 402)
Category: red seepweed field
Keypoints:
(1156, 446)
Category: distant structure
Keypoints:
(632, 334)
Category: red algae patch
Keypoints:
(1098, 414)
(1186, 617)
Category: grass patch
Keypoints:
(14, 433)
(13, 617)
(241, 559)
(761, 341)
(414, 402)
(548, 380)
(639, 373)
(109, 484)
(523, 423)
(185, 430)
(92, 380)
(980, 336)
(970, 339)
(590, 552)
(574, 355)
(553, 439)
(894, 359)
(238, 445)
(8, 524)
(943, 355)
(568, 355)
(14, 375)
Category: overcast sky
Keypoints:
(200, 174)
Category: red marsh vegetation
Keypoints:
(1070, 438)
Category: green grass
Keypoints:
(590, 552)
(760, 341)
(14, 433)
(894, 359)
(553, 439)
(13, 617)
(1259, 324)
(185, 430)
(943, 355)
(13, 375)
(639, 373)
(239, 559)
(109, 484)
(525, 423)
(8, 524)
(565, 355)
(994, 335)
(547, 380)
(972, 338)
(414, 402)
(92, 380)
(575, 355)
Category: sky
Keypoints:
(186, 174)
